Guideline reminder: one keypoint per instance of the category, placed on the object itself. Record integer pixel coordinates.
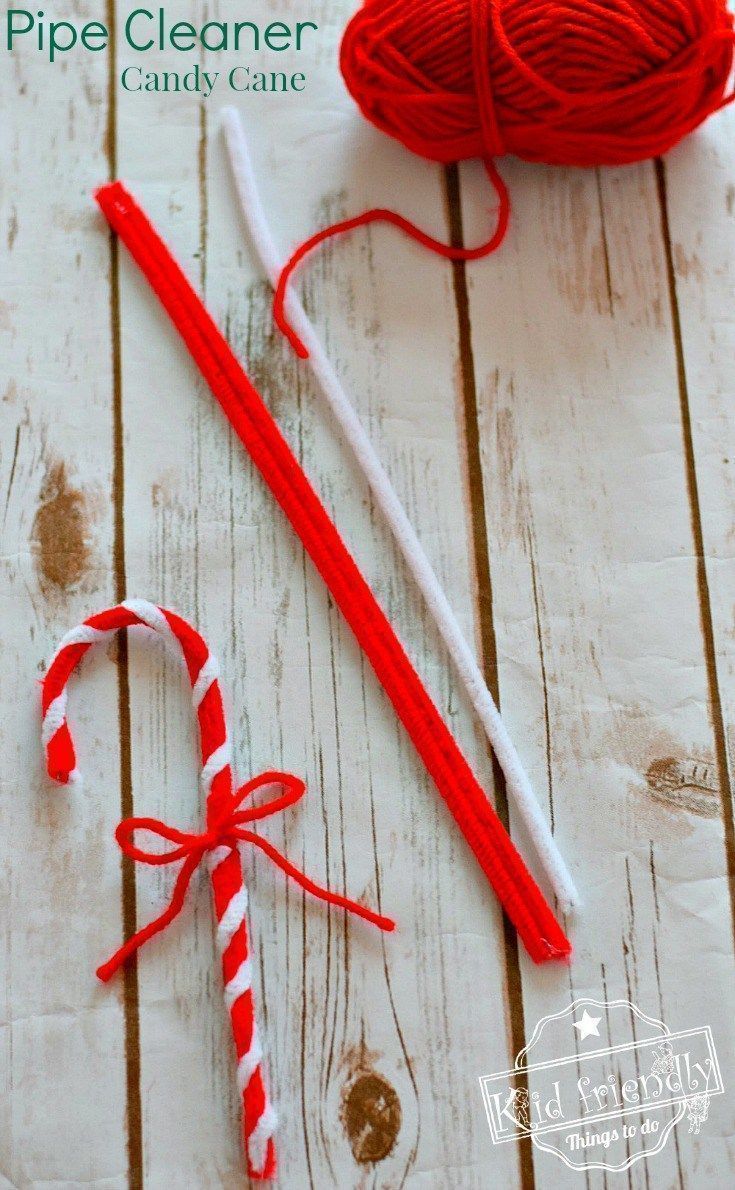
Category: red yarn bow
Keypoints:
(226, 829)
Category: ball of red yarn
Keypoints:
(566, 82)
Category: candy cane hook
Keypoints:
(226, 828)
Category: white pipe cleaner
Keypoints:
(518, 783)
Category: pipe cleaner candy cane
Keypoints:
(519, 785)
(518, 892)
(226, 828)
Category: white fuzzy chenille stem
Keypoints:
(516, 777)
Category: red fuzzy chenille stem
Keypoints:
(243, 406)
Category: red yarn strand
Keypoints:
(381, 215)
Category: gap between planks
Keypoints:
(131, 1005)
(484, 597)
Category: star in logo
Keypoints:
(587, 1025)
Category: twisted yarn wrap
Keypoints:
(226, 827)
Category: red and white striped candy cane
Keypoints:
(226, 824)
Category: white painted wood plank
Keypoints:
(602, 660)
(202, 533)
(700, 189)
(700, 193)
(62, 1119)
(360, 763)
(185, 1137)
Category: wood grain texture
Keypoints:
(557, 421)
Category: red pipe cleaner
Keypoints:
(517, 891)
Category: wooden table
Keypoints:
(558, 420)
